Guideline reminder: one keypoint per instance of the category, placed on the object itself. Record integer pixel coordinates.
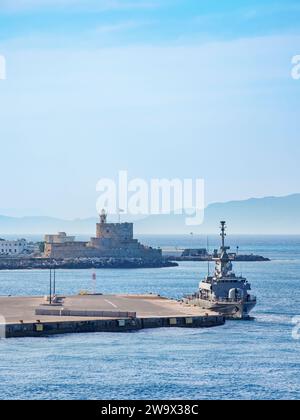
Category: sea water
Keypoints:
(242, 360)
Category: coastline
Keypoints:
(82, 263)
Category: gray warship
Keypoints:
(224, 292)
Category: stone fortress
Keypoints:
(113, 240)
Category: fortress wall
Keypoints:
(115, 231)
(81, 250)
(67, 250)
(110, 243)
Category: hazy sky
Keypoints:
(162, 88)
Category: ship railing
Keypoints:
(225, 300)
(228, 300)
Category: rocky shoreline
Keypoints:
(82, 263)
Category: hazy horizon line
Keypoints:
(140, 217)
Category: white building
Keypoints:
(13, 247)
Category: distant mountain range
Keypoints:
(270, 215)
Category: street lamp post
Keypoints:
(50, 295)
(54, 282)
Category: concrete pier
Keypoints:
(32, 317)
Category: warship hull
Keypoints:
(230, 310)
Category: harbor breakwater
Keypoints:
(82, 263)
(238, 258)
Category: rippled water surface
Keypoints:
(242, 360)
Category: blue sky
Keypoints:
(162, 88)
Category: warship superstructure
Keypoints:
(224, 292)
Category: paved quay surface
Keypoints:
(14, 309)
(33, 317)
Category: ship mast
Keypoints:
(222, 267)
(223, 234)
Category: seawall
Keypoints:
(43, 329)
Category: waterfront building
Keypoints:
(200, 252)
(15, 247)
